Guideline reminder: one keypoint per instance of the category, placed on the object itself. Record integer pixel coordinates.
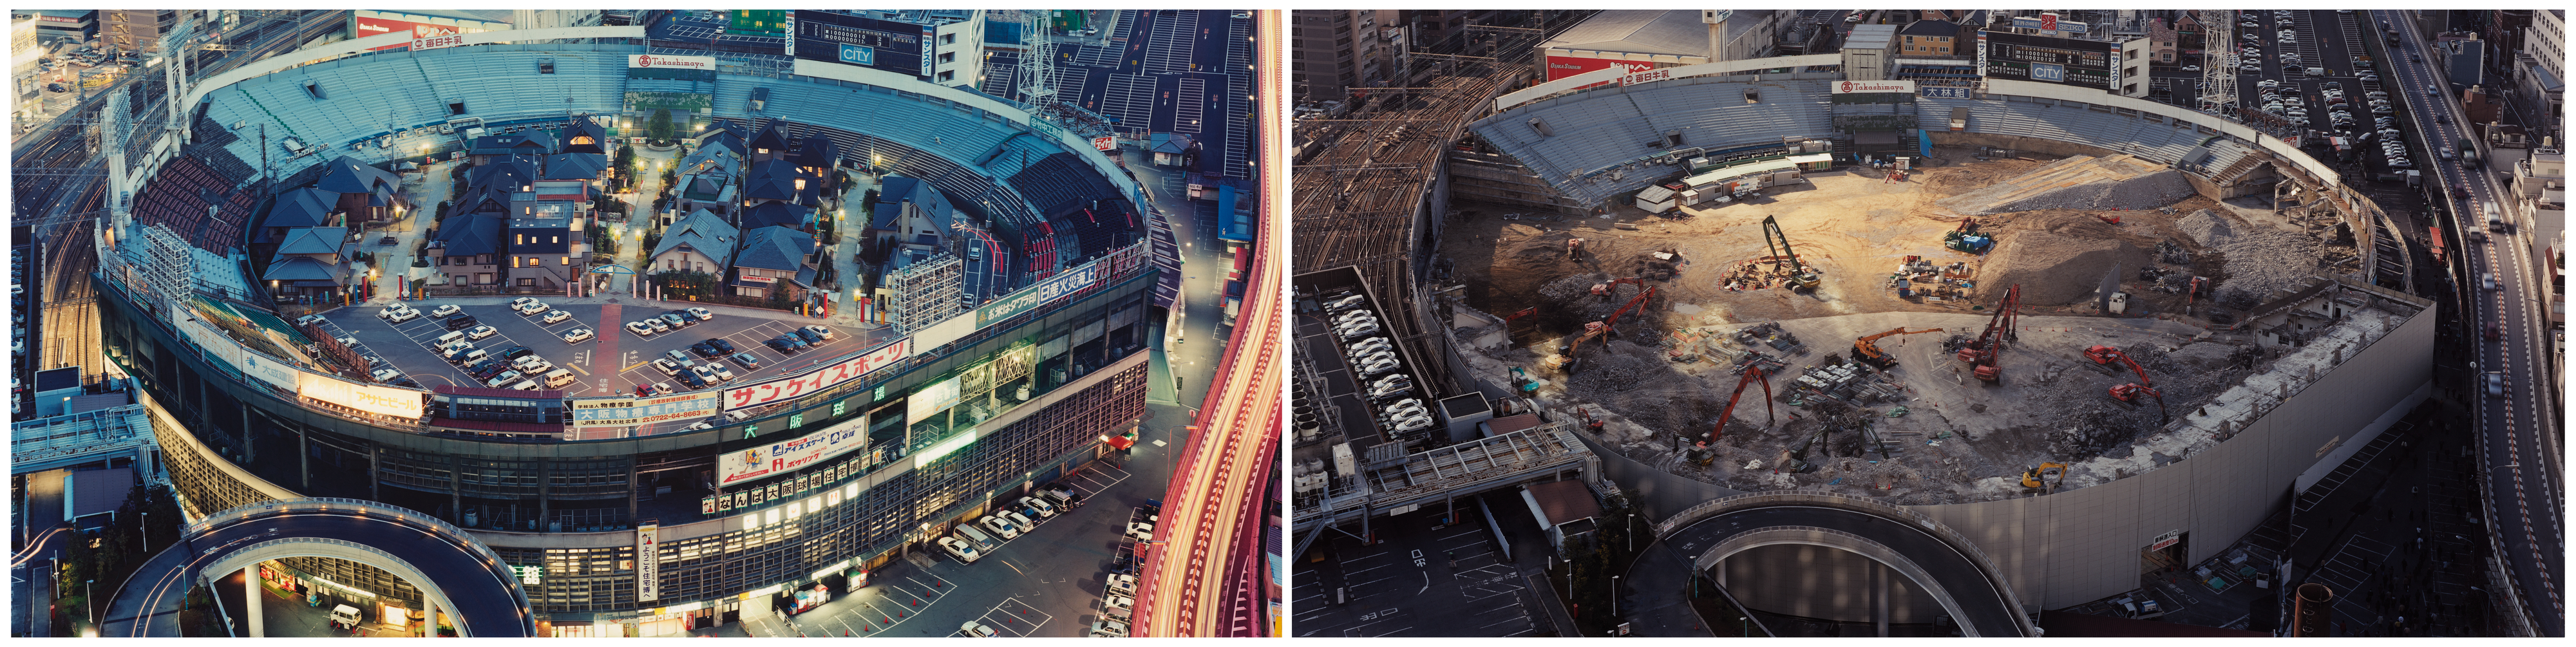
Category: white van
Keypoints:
(525, 361)
(1000, 526)
(344, 617)
(450, 338)
(558, 378)
(982, 542)
(472, 356)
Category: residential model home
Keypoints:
(699, 242)
(910, 213)
(311, 261)
(546, 245)
(468, 250)
(775, 260)
(366, 193)
(533, 143)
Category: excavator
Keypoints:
(1593, 329)
(2036, 478)
(1700, 453)
(2127, 394)
(1777, 242)
(1990, 345)
(1866, 348)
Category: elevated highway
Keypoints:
(2518, 433)
(457, 574)
(1196, 580)
(1967, 585)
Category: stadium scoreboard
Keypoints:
(2025, 57)
(892, 46)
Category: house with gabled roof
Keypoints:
(818, 157)
(780, 180)
(775, 260)
(311, 261)
(366, 193)
(1172, 149)
(468, 250)
(911, 213)
(700, 242)
(768, 144)
(535, 142)
(710, 191)
(585, 136)
(778, 214)
(588, 167)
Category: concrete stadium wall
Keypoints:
(2081, 545)
(1821, 582)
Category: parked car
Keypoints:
(704, 349)
(640, 329)
(659, 324)
(703, 314)
(481, 332)
(722, 373)
(461, 322)
(515, 352)
(578, 335)
(445, 310)
(721, 345)
(959, 549)
(746, 360)
(521, 301)
(552, 317)
(666, 366)
(530, 308)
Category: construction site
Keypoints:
(1969, 326)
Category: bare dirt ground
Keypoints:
(1655, 384)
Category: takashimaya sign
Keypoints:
(672, 62)
(1853, 87)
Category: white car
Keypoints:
(2191, 68)
(658, 324)
(478, 333)
(958, 548)
(1140, 530)
(1033, 503)
(999, 526)
(578, 335)
(552, 317)
(702, 314)
(1115, 601)
(521, 301)
(530, 308)
(445, 310)
(639, 328)
(386, 374)
(505, 377)
(1121, 584)
(1017, 518)
(974, 629)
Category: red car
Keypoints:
(2495, 332)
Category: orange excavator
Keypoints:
(1593, 329)
(1866, 348)
(1699, 451)
(2127, 394)
(1990, 345)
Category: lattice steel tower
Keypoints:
(1037, 78)
(2217, 73)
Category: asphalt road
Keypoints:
(482, 594)
(2518, 432)
(1656, 582)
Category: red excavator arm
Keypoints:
(1990, 344)
(1598, 328)
(2128, 393)
(1751, 374)
(1866, 348)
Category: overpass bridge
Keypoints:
(456, 573)
(1959, 577)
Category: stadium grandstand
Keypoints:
(882, 444)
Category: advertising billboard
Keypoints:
(2022, 57)
(930, 400)
(1872, 87)
(818, 379)
(792, 454)
(648, 562)
(380, 400)
(623, 412)
(1559, 67)
(1063, 283)
(366, 23)
(898, 47)
(673, 62)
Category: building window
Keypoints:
(566, 262)
(950, 57)
(527, 282)
(482, 278)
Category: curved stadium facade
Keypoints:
(932, 427)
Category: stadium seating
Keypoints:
(1606, 140)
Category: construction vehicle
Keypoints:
(1700, 452)
(1593, 329)
(2036, 478)
(1606, 290)
(2127, 394)
(1777, 242)
(2003, 327)
(1574, 249)
(1866, 348)
(1965, 238)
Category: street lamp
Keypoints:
(1614, 597)
(92, 605)
(147, 533)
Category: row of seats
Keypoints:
(1599, 132)
(373, 94)
(2165, 142)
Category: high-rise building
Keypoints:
(1333, 51)
(138, 30)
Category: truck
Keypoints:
(2469, 158)
(2495, 218)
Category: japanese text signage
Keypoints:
(818, 379)
(621, 412)
(1063, 283)
(793, 454)
(437, 42)
(648, 563)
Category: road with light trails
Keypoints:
(2518, 434)
(1211, 521)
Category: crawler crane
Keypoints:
(1700, 452)
(1777, 242)
(1866, 348)
(1593, 329)
(1990, 345)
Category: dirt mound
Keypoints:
(2206, 227)
(2057, 259)
(1639, 383)
(2107, 183)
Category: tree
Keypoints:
(660, 126)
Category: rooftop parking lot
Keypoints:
(614, 361)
